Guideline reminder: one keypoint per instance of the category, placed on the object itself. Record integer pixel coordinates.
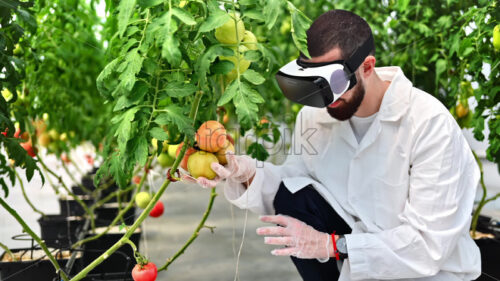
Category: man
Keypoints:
(380, 183)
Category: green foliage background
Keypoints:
(159, 53)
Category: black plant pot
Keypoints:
(88, 182)
(60, 231)
(36, 267)
(71, 207)
(120, 261)
(490, 249)
(107, 191)
(108, 212)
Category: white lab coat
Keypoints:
(406, 190)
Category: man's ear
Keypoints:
(368, 66)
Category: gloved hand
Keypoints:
(239, 169)
(302, 240)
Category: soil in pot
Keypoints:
(32, 264)
(60, 231)
(120, 261)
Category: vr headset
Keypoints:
(321, 84)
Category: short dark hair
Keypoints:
(337, 28)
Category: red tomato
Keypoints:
(24, 136)
(5, 132)
(65, 158)
(147, 272)
(137, 179)
(32, 151)
(90, 160)
(157, 210)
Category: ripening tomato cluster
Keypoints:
(212, 143)
(233, 32)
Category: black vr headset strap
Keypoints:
(360, 54)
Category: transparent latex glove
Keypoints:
(300, 239)
(239, 169)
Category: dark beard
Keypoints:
(347, 109)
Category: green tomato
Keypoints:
(243, 66)
(199, 164)
(249, 40)
(165, 160)
(18, 50)
(172, 150)
(154, 143)
(228, 33)
(6, 94)
(496, 37)
(142, 199)
(63, 137)
(54, 135)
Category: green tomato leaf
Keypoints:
(105, 73)
(180, 89)
(245, 101)
(203, 64)
(229, 93)
(149, 3)
(403, 5)
(221, 67)
(300, 24)
(124, 130)
(170, 47)
(174, 115)
(184, 16)
(440, 68)
(253, 77)
(271, 12)
(216, 17)
(252, 55)
(255, 15)
(158, 133)
(125, 9)
(257, 151)
(129, 68)
(141, 150)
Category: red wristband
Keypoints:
(337, 257)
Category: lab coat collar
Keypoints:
(396, 99)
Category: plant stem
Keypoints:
(70, 193)
(7, 251)
(110, 196)
(26, 196)
(65, 167)
(195, 233)
(120, 214)
(152, 203)
(483, 201)
(35, 237)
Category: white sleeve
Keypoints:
(259, 195)
(443, 181)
